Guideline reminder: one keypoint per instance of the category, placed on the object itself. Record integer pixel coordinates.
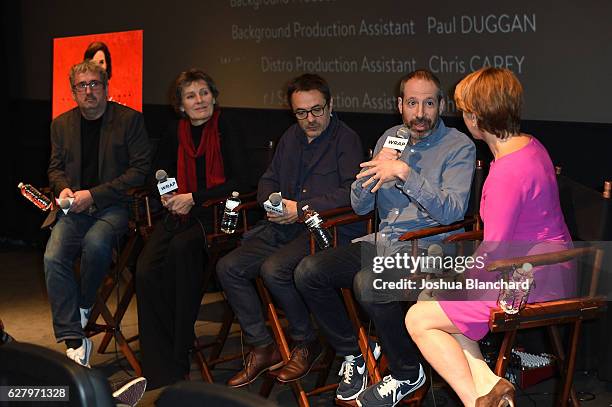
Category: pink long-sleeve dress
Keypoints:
(522, 215)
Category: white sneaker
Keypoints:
(82, 353)
(389, 391)
(85, 313)
(354, 375)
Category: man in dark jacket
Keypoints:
(314, 164)
(98, 151)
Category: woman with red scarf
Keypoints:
(204, 154)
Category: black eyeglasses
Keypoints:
(316, 111)
(81, 87)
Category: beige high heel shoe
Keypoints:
(501, 395)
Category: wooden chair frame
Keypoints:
(473, 221)
(550, 314)
(221, 243)
(138, 229)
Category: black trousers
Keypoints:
(169, 277)
(271, 251)
(319, 277)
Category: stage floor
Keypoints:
(27, 317)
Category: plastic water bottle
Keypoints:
(35, 196)
(230, 218)
(313, 221)
(512, 299)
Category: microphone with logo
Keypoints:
(274, 204)
(165, 185)
(433, 262)
(399, 141)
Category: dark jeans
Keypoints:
(169, 277)
(93, 237)
(272, 252)
(319, 278)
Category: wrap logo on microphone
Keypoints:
(396, 143)
(400, 141)
(165, 185)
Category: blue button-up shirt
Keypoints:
(436, 192)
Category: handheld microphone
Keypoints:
(399, 141)
(275, 198)
(274, 204)
(161, 175)
(65, 204)
(165, 185)
(433, 262)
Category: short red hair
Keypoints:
(495, 96)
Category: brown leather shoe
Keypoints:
(303, 357)
(259, 360)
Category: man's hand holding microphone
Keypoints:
(75, 202)
(386, 166)
(280, 210)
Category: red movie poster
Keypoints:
(125, 51)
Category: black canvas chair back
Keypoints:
(25, 364)
(587, 213)
(480, 174)
(195, 394)
(588, 216)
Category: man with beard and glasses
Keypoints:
(99, 150)
(428, 184)
(314, 164)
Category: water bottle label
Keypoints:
(313, 221)
(35, 196)
(231, 204)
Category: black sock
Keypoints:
(73, 343)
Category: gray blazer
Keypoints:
(124, 155)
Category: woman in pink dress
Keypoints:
(520, 207)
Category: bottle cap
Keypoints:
(235, 194)
(20, 185)
(527, 267)
(305, 207)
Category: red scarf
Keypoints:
(210, 146)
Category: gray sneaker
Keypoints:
(354, 375)
(389, 391)
(131, 392)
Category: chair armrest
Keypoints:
(436, 230)
(216, 201)
(213, 202)
(347, 219)
(246, 206)
(138, 192)
(540, 259)
(547, 313)
(460, 237)
(333, 213)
